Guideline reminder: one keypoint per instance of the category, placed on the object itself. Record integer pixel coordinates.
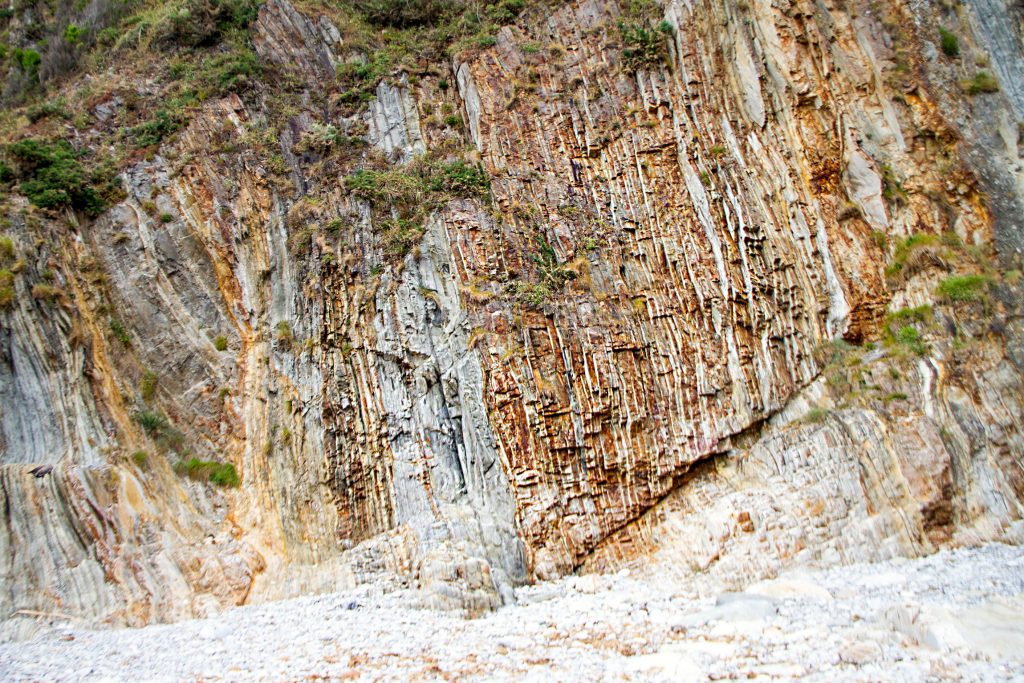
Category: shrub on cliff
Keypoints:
(401, 13)
(6, 289)
(643, 47)
(197, 23)
(52, 176)
(948, 41)
(219, 473)
(963, 287)
(158, 427)
(983, 82)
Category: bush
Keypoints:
(963, 287)
(643, 48)
(45, 292)
(815, 415)
(402, 197)
(117, 328)
(220, 343)
(461, 180)
(949, 43)
(919, 314)
(6, 289)
(198, 23)
(155, 129)
(140, 458)
(52, 176)
(48, 109)
(983, 82)
(148, 385)
(230, 71)
(892, 188)
(283, 333)
(6, 247)
(401, 13)
(73, 34)
(908, 337)
(158, 428)
(221, 474)
(27, 60)
(152, 423)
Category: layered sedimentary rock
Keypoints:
(635, 316)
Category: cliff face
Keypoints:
(747, 302)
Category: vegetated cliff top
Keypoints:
(163, 59)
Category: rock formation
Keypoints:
(746, 302)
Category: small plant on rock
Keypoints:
(219, 473)
(643, 48)
(949, 43)
(963, 288)
(983, 82)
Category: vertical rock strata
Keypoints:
(618, 355)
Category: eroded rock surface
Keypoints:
(450, 420)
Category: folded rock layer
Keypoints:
(657, 340)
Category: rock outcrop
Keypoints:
(659, 335)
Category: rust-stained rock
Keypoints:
(624, 352)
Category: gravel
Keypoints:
(956, 615)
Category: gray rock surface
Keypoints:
(594, 628)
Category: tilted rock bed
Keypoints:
(956, 615)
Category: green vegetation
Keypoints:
(7, 253)
(52, 176)
(148, 385)
(27, 60)
(45, 292)
(949, 43)
(189, 24)
(983, 82)
(47, 109)
(815, 415)
(6, 289)
(403, 13)
(892, 188)
(140, 458)
(283, 333)
(905, 248)
(156, 128)
(963, 288)
(219, 473)
(902, 328)
(158, 427)
(643, 47)
(119, 331)
(166, 218)
(151, 423)
(220, 342)
(73, 34)
(909, 338)
(917, 314)
(402, 197)
(552, 273)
